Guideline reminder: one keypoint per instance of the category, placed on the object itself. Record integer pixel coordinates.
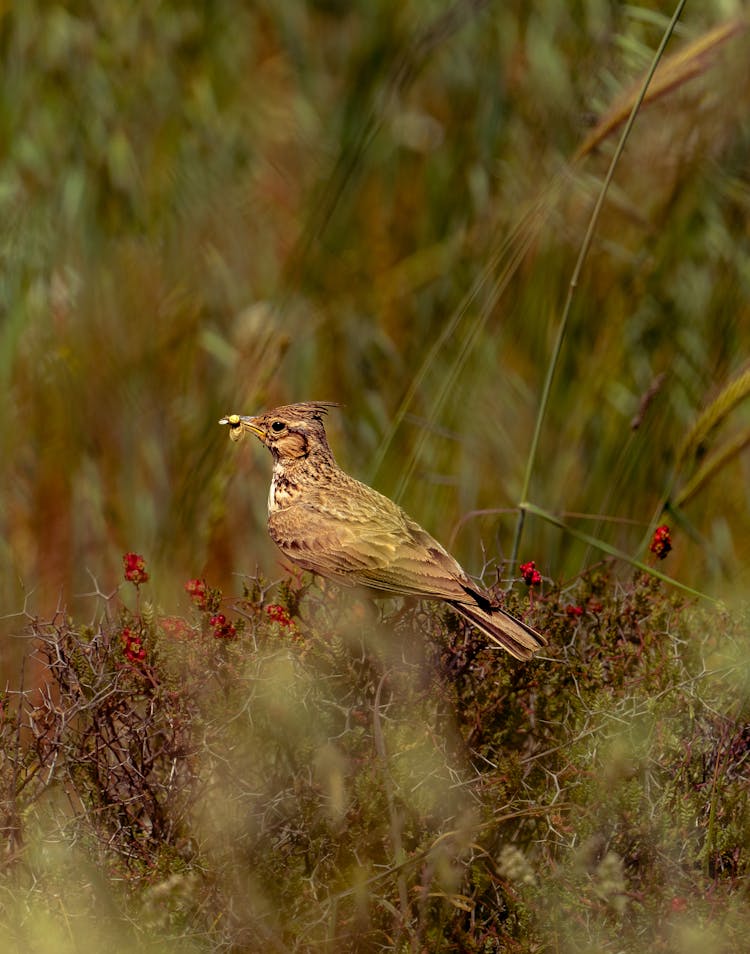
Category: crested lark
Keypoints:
(331, 524)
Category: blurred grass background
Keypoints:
(207, 208)
(211, 208)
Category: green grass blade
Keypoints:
(588, 237)
(612, 551)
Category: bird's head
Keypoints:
(291, 433)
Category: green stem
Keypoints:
(612, 551)
(587, 239)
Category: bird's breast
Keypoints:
(283, 491)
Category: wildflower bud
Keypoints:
(531, 576)
(278, 614)
(135, 568)
(661, 542)
(132, 645)
(198, 592)
(222, 628)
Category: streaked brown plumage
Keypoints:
(329, 523)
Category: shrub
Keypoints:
(295, 770)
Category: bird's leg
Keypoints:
(408, 605)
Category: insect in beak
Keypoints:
(238, 425)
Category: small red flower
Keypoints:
(531, 576)
(132, 646)
(222, 628)
(279, 615)
(135, 568)
(198, 592)
(661, 542)
(574, 611)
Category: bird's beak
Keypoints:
(238, 425)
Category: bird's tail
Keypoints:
(515, 637)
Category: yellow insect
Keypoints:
(237, 425)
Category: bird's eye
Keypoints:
(278, 426)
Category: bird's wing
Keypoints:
(379, 547)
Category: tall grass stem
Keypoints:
(585, 246)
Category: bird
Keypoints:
(331, 524)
